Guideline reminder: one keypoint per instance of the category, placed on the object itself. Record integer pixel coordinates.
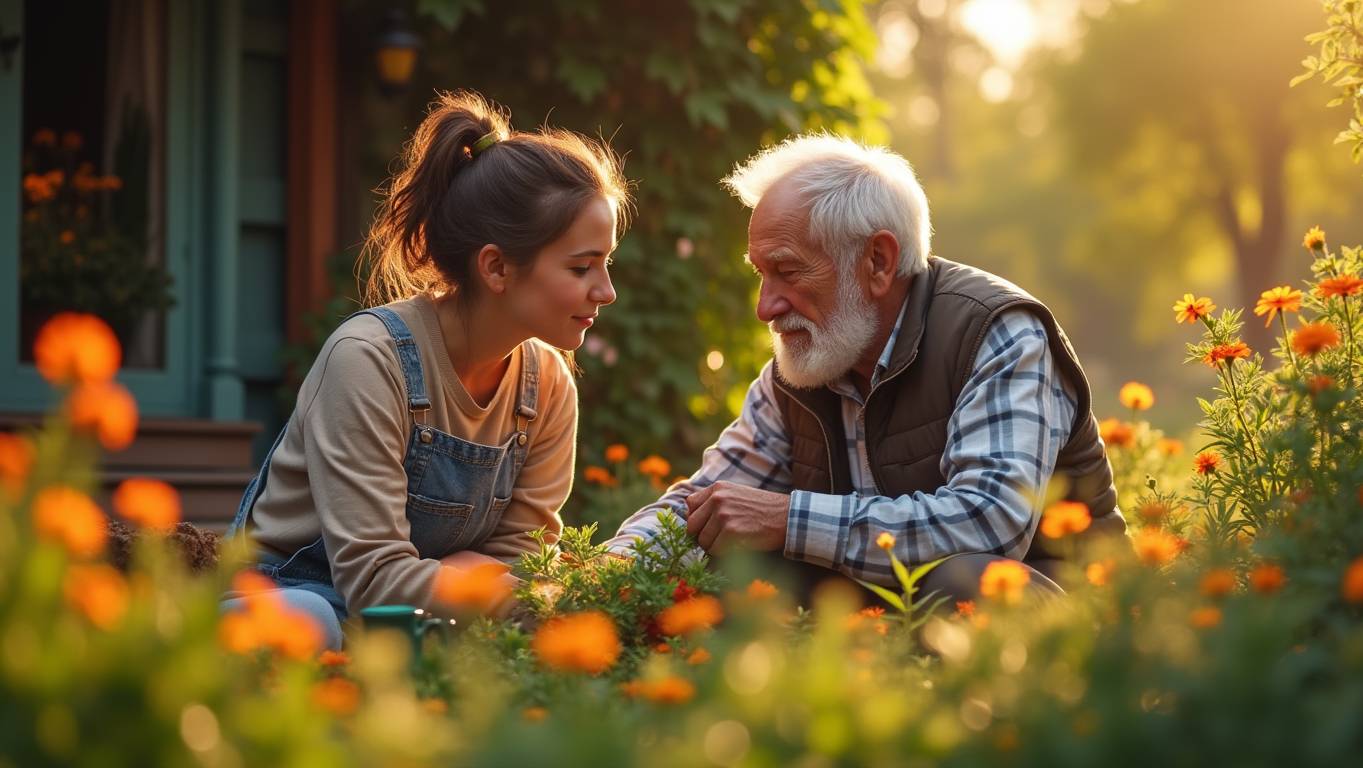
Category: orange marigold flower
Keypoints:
(1205, 617)
(534, 714)
(761, 590)
(73, 141)
(1218, 582)
(577, 642)
(266, 622)
(336, 695)
(16, 460)
(1064, 518)
(1267, 578)
(1004, 580)
(1099, 573)
(113, 183)
(107, 410)
(149, 503)
(1319, 383)
(599, 476)
(45, 137)
(70, 518)
(99, 592)
(1312, 338)
(1207, 462)
(1136, 396)
(67, 237)
(1155, 546)
(1233, 351)
(668, 690)
(1343, 285)
(1314, 240)
(617, 453)
(1116, 433)
(1351, 586)
(690, 615)
(435, 705)
(965, 608)
(331, 658)
(698, 656)
(1153, 512)
(655, 466)
(38, 189)
(1283, 298)
(885, 541)
(481, 588)
(76, 347)
(1190, 310)
(1170, 446)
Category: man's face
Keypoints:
(820, 319)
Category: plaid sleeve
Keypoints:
(753, 450)
(1003, 439)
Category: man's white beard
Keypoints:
(831, 351)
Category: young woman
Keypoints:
(439, 428)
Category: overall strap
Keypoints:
(409, 358)
(527, 400)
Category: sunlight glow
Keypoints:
(1008, 28)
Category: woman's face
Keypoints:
(559, 294)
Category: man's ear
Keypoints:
(492, 268)
(881, 258)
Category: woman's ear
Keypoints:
(492, 268)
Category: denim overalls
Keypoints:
(456, 490)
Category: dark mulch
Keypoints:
(198, 546)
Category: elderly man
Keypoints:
(909, 394)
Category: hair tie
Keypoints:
(483, 143)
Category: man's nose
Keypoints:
(770, 304)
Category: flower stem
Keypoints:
(1287, 342)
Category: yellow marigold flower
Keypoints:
(1116, 433)
(331, 658)
(578, 642)
(1351, 586)
(1267, 578)
(599, 476)
(617, 453)
(1004, 580)
(1136, 396)
(76, 347)
(1314, 239)
(99, 592)
(885, 541)
(336, 695)
(107, 410)
(534, 714)
(1190, 310)
(70, 518)
(1233, 351)
(1312, 338)
(1207, 462)
(698, 656)
(1283, 298)
(655, 466)
(1218, 582)
(481, 588)
(1170, 446)
(1099, 573)
(761, 590)
(690, 615)
(1155, 546)
(16, 460)
(149, 503)
(1064, 518)
(1206, 617)
(1343, 285)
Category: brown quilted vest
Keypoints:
(950, 308)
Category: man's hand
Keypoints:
(725, 514)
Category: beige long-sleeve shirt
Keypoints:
(338, 472)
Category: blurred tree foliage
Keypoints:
(683, 90)
(1340, 64)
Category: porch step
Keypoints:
(209, 500)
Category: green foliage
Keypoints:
(1340, 64)
(684, 91)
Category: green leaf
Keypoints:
(885, 594)
(585, 80)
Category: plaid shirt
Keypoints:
(1011, 420)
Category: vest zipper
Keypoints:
(870, 463)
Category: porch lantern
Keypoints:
(395, 54)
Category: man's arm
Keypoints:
(752, 451)
(1011, 420)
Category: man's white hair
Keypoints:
(854, 190)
